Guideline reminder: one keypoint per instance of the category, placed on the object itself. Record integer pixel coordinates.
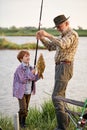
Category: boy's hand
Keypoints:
(34, 71)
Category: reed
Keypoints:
(31, 31)
(38, 119)
(6, 123)
(4, 44)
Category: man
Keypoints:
(65, 47)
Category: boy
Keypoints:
(22, 84)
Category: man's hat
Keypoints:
(59, 19)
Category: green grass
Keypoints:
(82, 33)
(43, 119)
(37, 119)
(31, 31)
(4, 44)
(6, 123)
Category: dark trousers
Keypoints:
(63, 73)
(23, 107)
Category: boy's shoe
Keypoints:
(57, 129)
(22, 123)
(22, 126)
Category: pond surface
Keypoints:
(77, 87)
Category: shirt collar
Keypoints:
(24, 65)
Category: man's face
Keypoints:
(62, 26)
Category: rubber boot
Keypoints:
(63, 120)
(23, 125)
(20, 120)
(24, 119)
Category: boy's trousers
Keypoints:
(23, 106)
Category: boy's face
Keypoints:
(26, 59)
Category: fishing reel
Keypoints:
(82, 122)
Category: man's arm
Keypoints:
(45, 38)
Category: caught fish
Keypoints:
(40, 66)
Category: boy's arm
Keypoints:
(24, 77)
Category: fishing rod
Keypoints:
(38, 30)
(37, 39)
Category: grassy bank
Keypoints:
(31, 31)
(4, 44)
(6, 123)
(37, 119)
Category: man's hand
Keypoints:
(40, 34)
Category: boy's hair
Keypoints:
(21, 54)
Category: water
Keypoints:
(77, 87)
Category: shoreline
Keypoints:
(32, 31)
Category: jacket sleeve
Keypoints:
(24, 77)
